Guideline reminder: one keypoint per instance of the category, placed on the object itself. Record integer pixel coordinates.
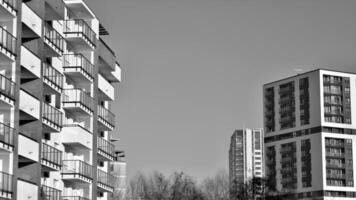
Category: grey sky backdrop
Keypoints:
(193, 70)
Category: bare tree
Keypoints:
(216, 187)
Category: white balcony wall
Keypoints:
(26, 191)
(29, 148)
(33, 21)
(31, 62)
(106, 87)
(117, 72)
(29, 104)
(77, 135)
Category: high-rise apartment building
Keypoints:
(246, 155)
(310, 135)
(118, 170)
(56, 87)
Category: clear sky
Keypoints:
(193, 70)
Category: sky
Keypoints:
(193, 70)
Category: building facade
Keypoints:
(118, 170)
(310, 135)
(56, 89)
(246, 155)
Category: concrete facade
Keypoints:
(310, 129)
(57, 82)
(246, 155)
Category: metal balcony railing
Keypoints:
(78, 61)
(7, 41)
(10, 3)
(7, 87)
(80, 27)
(77, 167)
(78, 96)
(106, 147)
(51, 155)
(74, 198)
(54, 37)
(6, 183)
(106, 115)
(52, 114)
(6, 134)
(49, 193)
(105, 178)
(52, 75)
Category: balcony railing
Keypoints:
(336, 176)
(10, 3)
(334, 154)
(52, 114)
(78, 96)
(77, 167)
(6, 183)
(74, 198)
(7, 87)
(54, 37)
(52, 75)
(106, 115)
(7, 134)
(80, 27)
(49, 193)
(51, 155)
(7, 41)
(78, 61)
(106, 147)
(105, 179)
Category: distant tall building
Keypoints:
(246, 155)
(310, 135)
(118, 170)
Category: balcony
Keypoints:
(79, 35)
(52, 118)
(78, 67)
(77, 171)
(54, 42)
(74, 198)
(105, 181)
(31, 23)
(52, 77)
(51, 157)
(30, 65)
(8, 9)
(77, 137)
(336, 176)
(49, 193)
(81, 10)
(6, 137)
(106, 56)
(26, 190)
(106, 90)
(29, 107)
(334, 154)
(6, 190)
(8, 50)
(29, 151)
(7, 91)
(335, 165)
(106, 119)
(77, 102)
(105, 149)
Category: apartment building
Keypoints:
(310, 135)
(246, 155)
(118, 170)
(57, 80)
